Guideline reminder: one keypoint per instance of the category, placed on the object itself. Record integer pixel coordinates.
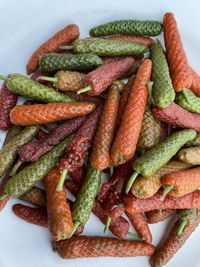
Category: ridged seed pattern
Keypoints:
(189, 101)
(69, 80)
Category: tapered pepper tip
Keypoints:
(131, 181)
(66, 47)
(61, 181)
(4, 78)
(84, 90)
(4, 195)
(15, 168)
(76, 225)
(181, 227)
(107, 224)
(166, 191)
(46, 78)
(135, 236)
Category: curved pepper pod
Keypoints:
(165, 252)
(46, 113)
(102, 77)
(36, 196)
(156, 216)
(127, 136)
(88, 247)
(195, 87)
(190, 155)
(194, 142)
(177, 116)
(59, 214)
(189, 101)
(178, 63)
(64, 36)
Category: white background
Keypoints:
(23, 26)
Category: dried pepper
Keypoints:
(190, 155)
(155, 216)
(189, 101)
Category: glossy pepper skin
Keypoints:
(34, 150)
(59, 214)
(134, 205)
(36, 196)
(69, 80)
(102, 77)
(29, 176)
(150, 131)
(53, 62)
(189, 101)
(106, 47)
(162, 92)
(100, 156)
(22, 85)
(7, 101)
(51, 112)
(165, 252)
(178, 63)
(64, 36)
(87, 247)
(177, 116)
(159, 155)
(86, 196)
(190, 155)
(134, 27)
(156, 216)
(8, 153)
(145, 187)
(125, 142)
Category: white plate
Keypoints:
(25, 25)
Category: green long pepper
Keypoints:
(158, 156)
(29, 176)
(186, 216)
(103, 47)
(134, 27)
(22, 85)
(188, 100)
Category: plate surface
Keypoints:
(24, 25)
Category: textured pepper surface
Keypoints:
(135, 39)
(141, 226)
(100, 156)
(190, 155)
(135, 27)
(53, 62)
(194, 142)
(134, 205)
(195, 87)
(150, 131)
(145, 187)
(29, 176)
(59, 214)
(178, 63)
(107, 47)
(36, 196)
(101, 78)
(8, 153)
(162, 91)
(156, 216)
(35, 149)
(188, 100)
(159, 155)
(87, 247)
(4, 201)
(64, 36)
(177, 116)
(14, 130)
(69, 80)
(7, 101)
(78, 175)
(36, 216)
(46, 113)
(22, 85)
(78, 150)
(165, 251)
(127, 136)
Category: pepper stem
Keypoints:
(61, 181)
(167, 190)
(66, 47)
(111, 170)
(4, 78)
(84, 90)
(131, 181)
(46, 78)
(15, 168)
(134, 236)
(76, 225)
(4, 195)
(107, 224)
(181, 227)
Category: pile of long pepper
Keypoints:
(84, 120)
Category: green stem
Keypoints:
(66, 47)
(134, 236)
(61, 181)
(84, 90)
(46, 78)
(111, 170)
(181, 227)
(107, 224)
(4, 195)
(76, 225)
(15, 168)
(131, 181)
(4, 78)
(167, 190)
